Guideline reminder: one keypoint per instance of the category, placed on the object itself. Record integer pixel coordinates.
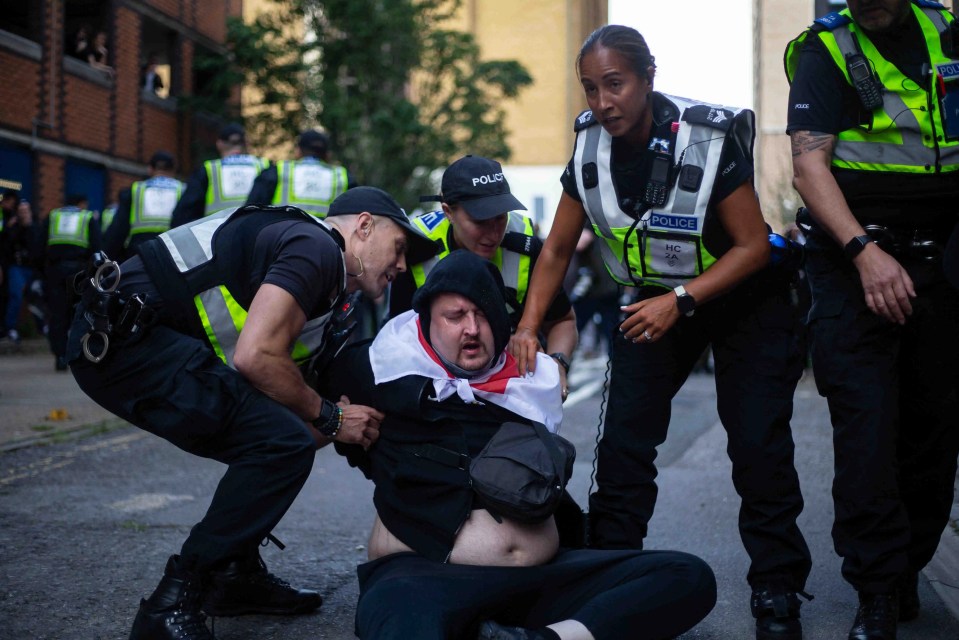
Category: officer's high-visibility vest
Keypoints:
(513, 265)
(70, 226)
(664, 246)
(309, 184)
(183, 262)
(151, 204)
(229, 180)
(906, 134)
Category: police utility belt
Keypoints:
(110, 316)
(921, 245)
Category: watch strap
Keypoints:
(855, 246)
(561, 359)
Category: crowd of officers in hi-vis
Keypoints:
(42, 251)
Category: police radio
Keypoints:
(866, 83)
(660, 166)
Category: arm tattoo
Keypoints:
(806, 141)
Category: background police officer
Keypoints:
(220, 184)
(144, 210)
(309, 182)
(481, 215)
(72, 234)
(876, 161)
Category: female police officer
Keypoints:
(667, 185)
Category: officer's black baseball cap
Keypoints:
(380, 203)
(232, 133)
(314, 143)
(162, 160)
(479, 186)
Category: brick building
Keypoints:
(69, 127)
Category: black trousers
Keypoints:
(893, 394)
(175, 387)
(758, 362)
(614, 594)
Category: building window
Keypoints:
(157, 48)
(21, 18)
(16, 170)
(86, 30)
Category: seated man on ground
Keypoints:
(441, 565)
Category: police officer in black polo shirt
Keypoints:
(875, 139)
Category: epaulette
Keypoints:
(928, 4)
(710, 116)
(831, 21)
(584, 120)
(518, 243)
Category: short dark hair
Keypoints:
(74, 199)
(626, 41)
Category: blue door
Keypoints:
(16, 170)
(87, 179)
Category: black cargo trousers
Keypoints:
(175, 387)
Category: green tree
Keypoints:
(399, 95)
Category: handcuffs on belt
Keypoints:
(911, 243)
(107, 314)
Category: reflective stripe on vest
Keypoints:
(514, 266)
(106, 217)
(70, 226)
(221, 315)
(229, 181)
(665, 247)
(151, 204)
(309, 184)
(904, 135)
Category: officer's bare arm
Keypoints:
(886, 284)
(812, 155)
(262, 355)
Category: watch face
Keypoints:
(685, 303)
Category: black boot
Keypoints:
(245, 586)
(777, 613)
(907, 587)
(876, 618)
(173, 611)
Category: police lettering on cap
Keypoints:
(379, 203)
(477, 279)
(479, 186)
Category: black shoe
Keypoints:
(489, 630)
(907, 587)
(876, 618)
(777, 613)
(173, 611)
(245, 587)
(60, 364)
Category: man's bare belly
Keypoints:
(483, 541)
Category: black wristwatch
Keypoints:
(328, 422)
(560, 358)
(855, 246)
(684, 301)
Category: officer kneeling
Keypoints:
(198, 340)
